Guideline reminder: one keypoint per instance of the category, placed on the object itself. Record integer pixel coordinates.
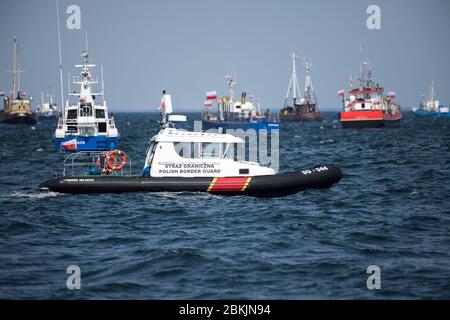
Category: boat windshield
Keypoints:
(198, 150)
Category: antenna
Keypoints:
(60, 59)
(103, 83)
(68, 83)
(86, 39)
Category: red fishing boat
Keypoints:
(366, 106)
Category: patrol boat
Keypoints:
(86, 125)
(430, 107)
(17, 106)
(171, 165)
(236, 114)
(296, 107)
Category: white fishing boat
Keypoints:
(48, 108)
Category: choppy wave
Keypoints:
(390, 209)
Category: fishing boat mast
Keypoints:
(432, 91)
(293, 83)
(14, 71)
(309, 88)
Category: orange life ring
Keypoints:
(114, 165)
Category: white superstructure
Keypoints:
(180, 153)
(85, 117)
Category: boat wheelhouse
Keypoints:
(431, 107)
(241, 113)
(175, 153)
(296, 107)
(16, 106)
(86, 125)
(366, 106)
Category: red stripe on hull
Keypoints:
(228, 184)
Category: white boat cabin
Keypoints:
(179, 153)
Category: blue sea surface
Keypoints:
(391, 209)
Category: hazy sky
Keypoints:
(187, 46)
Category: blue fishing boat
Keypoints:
(86, 124)
(431, 107)
(236, 114)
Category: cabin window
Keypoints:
(72, 114)
(100, 114)
(102, 127)
(198, 150)
(86, 111)
(87, 131)
(244, 171)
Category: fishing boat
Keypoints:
(431, 107)
(171, 165)
(48, 108)
(236, 114)
(16, 106)
(85, 124)
(366, 106)
(296, 107)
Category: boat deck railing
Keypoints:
(74, 122)
(80, 163)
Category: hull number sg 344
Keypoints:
(316, 169)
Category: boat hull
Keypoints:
(269, 126)
(89, 143)
(47, 117)
(368, 119)
(307, 117)
(17, 119)
(432, 115)
(319, 177)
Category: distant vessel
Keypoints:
(430, 107)
(297, 108)
(16, 107)
(86, 125)
(236, 114)
(366, 107)
(47, 109)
